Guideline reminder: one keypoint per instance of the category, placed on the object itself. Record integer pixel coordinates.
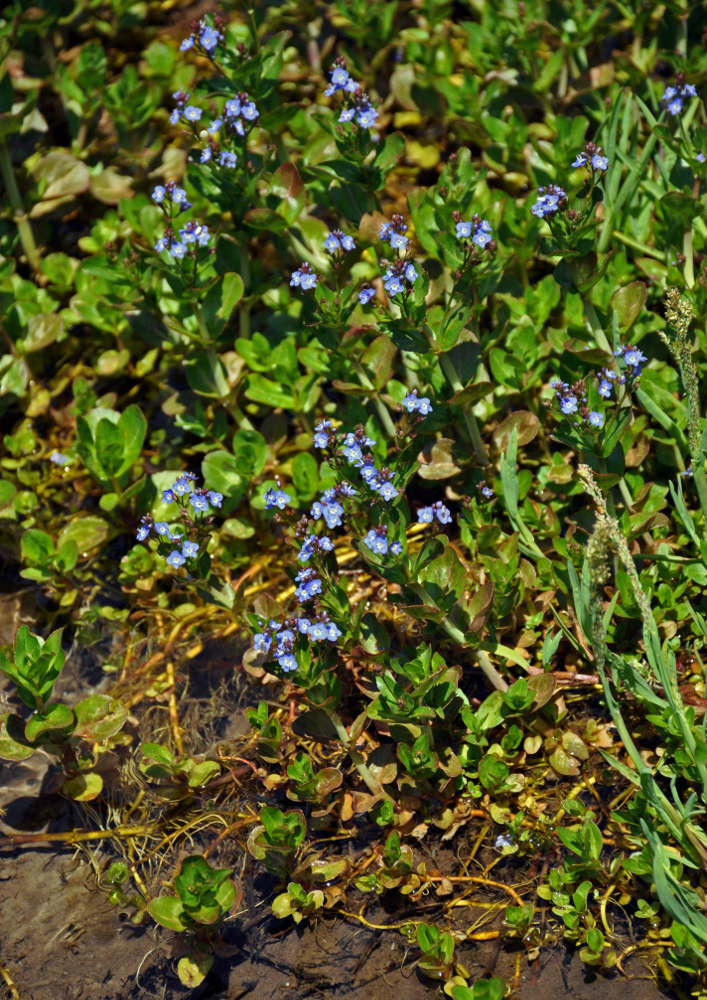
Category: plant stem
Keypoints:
(472, 425)
(24, 227)
(383, 413)
(244, 308)
(357, 760)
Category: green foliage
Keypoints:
(548, 635)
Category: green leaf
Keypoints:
(221, 471)
(305, 475)
(98, 717)
(53, 717)
(168, 911)
(12, 748)
(84, 787)
(206, 374)
(87, 533)
(37, 547)
(192, 970)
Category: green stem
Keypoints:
(469, 418)
(22, 222)
(383, 412)
(698, 470)
(357, 760)
(593, 323)
(244, 308)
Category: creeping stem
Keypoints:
(24, 227)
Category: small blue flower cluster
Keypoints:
(185, 494)
(426, 515)
(413, 404)
(607, 379)
(351, 447)
(194, 234)
(632, 358)
(276, 497)
(204, 37)
(551, 200)
(189, 112)
(401, 270)
(361, 110)
(337, 241)
(485, 491)
(238, 117)
(304, 278)
(169, 196)
(478, 229)
(285, 636)
(591, 157)
(376, 539)
(573, 399)
(674, 96)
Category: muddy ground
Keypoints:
(60, 938)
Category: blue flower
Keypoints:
(366, 117)
(159, 193)
(262, 642)
(215, 126)
(321, 440)
(634, 358)
(309, 585)
(604, 388)
(227, 159)
(387, 491)
(276, 498)
(215, 499)
(249, 111)
(209, 39)
(376, 540)
(410, 272)
(595, 419)
(330, 510)
(479, 230)
(142, 532)
(303, 625)
(287, 662)
(58, 458)
(549, 201)
(178, 250)
(568, 404)
(366, 294)
(396, 548)
(181, 487)
(347, 115)
(485, 491)
(426, 515)
(318, 631)
(161, 527)
(580, 160)
(398, 241)
(206, 154)
(392, 284)
(600, 162)
(674, 96)
(412, 404)
(176, 559)
(332, 631)
(192, 114)
(187, 44)
(190, 549)
(337, 240)
(303, 278)
(199, 502)
(232, 108)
